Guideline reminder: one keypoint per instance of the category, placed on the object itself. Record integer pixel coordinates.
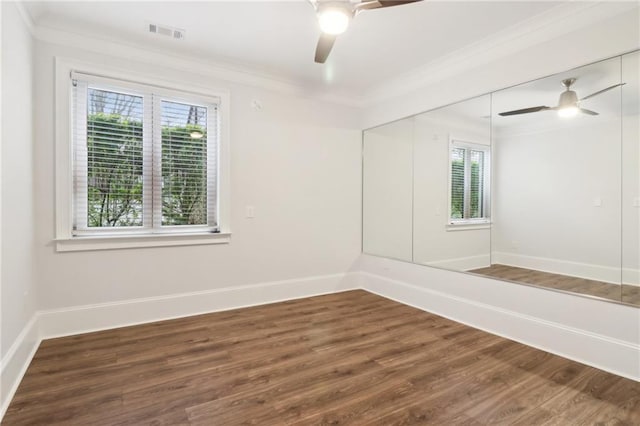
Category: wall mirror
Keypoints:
(509, 185)
(452, 185)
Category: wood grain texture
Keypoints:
(625, 293)
(348, 358)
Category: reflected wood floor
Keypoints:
(349, 358)
(626, 293)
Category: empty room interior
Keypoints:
(308, 212)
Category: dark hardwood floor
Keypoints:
(349, 358)
(625, 293)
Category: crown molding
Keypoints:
(538, 29)
(217, 69)
(25, 16)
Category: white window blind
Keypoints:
(469, 183)
(144, 158)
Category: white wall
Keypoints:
(387, 190)
(546, 187)
(296, 160)
(434, 243)
(17, 292)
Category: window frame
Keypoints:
(470, 223)
(66, 238)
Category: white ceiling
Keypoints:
(279, 38)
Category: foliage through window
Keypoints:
(469, 183)
(145, 161)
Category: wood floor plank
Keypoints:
(349, 358)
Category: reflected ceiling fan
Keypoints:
(334, 18)
(568, 104)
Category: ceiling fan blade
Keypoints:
(325, 43)
(602, 91)
(388, 3)
(377, 4)
(588, 111)
(525, 110)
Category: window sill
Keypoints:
(467, 226)
(112, 242)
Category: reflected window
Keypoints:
(469, 165)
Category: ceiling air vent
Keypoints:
(165, 30)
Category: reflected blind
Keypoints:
(142, 161)
(468, 184)
(457, 183)
(476, 184)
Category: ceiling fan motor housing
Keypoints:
(568, 98)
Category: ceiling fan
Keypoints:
(334, 18)
(568, 104)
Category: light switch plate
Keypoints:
(250, 212)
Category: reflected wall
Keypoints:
(557, 186)
(387, 195)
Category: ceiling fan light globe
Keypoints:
(334, 20)
(568, 111)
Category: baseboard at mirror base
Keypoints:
(460, 263)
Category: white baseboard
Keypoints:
(104, 316)
(462, 263)
(83, 319)
(565, 267)
(616, 356)
(613, 355)
(15, 362)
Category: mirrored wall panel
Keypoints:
(452, 186)
(387, 174)
(557, 187)
(537, 184)
(631, 178)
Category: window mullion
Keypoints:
(212, 166)
(157, 162)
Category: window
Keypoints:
(469, 165)
(145, 165)
(143, 161)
